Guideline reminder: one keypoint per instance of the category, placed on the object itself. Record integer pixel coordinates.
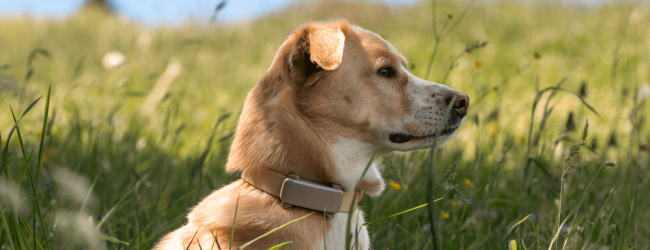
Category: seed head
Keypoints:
(570, 125)
(644, 147)
(610, 164)
(612, 139)
(583, 89)
(585, 131)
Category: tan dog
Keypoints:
(334, 95)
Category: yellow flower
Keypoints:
(493, 126)
(40, 136)
(444, 215)
(469, 183)
(478, 64)
(4, 143)
(522, 139)
(48, 156)
(450, 16)
(453, 203)
(17, 143)
(537, 55)
(395, 185)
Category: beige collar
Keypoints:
(302, 193)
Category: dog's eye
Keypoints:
(387, 72)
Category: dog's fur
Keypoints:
(321, 111)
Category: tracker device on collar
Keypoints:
(294, 191)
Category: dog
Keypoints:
(334, 96)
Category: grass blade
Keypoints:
(232, 233)
(110, 212)
(272, 231)
(513, 227)
(6, 226)
(354, 198)
(573, 211)
(111, 238)
(40, 150)
(403, 212)
(5, 150)
(278, 246)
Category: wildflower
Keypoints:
(17, 143)
(537, 55)
(469, 183)
(444, 215)
(454, 203)
(522, 139)
(113, 60)
(48, 156)
(450, 16)
(40, 136)
(395, 185)
(493, 126)
(478, 64)
(4, 143)
(570, 125)
(644, 92)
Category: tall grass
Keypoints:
(519, 173)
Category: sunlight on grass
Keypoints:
(553, 153)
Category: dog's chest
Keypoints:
(335, 237)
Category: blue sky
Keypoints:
(153, 12)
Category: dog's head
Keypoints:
(334, 95)
(358, 86)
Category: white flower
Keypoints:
(644, 92)
(113, 60)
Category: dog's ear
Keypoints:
(316, 47)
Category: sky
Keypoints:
(157, 12)
(153, 12)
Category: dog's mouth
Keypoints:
(403, 138)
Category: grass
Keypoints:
(521, 171)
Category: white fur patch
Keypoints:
(350, 159)
(335, 238)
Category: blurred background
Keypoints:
(145, 96)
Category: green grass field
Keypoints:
(109, 167)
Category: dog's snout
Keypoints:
(460, 104)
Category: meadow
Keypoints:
(114, 158)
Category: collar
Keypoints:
(294, 191)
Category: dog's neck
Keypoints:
(272, 133)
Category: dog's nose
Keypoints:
(461, 103)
